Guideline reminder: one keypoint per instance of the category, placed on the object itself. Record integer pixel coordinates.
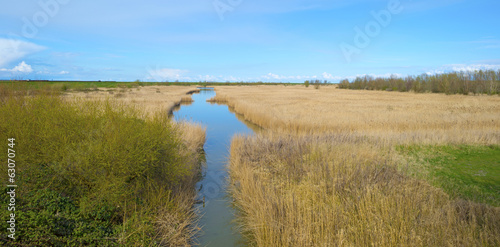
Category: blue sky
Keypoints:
(243, 40)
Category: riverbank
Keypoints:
(101, 171)
(333, 167)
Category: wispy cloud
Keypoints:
(488, 43)
(12, 50)
(324, 76)
(275, 77)
(328, 76)
(472, 67)
(288, 6)
(424, 5)
(164, 74)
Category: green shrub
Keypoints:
(89, 173)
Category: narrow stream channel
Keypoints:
(217, 214)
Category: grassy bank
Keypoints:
(361, 168)
(98, 173)
(464, 171)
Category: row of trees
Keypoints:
(476, 82)
(316, 83)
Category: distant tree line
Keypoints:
(475, 82)
(316, 83)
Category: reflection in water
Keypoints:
(217, 215)
(256, 128)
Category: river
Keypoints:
(216, 214)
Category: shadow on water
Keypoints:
(217, 214)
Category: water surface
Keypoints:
(217, 214)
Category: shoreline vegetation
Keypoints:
(101, 166)
(354, 168)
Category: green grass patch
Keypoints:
(464, 171)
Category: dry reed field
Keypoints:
(327, 172)
(404, 116)
(150, 98)
(317, 191)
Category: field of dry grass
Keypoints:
(394, 115)
(151, 98)
(339, 190)
(327, 171)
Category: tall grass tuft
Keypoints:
(97, 173)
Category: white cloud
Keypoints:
(275, 77)
(63, 72)
(328, 76)
(324, 76)
(12, 50)
(286, 78)
(208, 78)
(386, 75)
(472, 67)
(435, 72)
(232, 78)
(21, 68)
(164, 74)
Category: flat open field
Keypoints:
(150, 98)
(402, 116)
(358, 168)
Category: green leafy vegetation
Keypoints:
(463, 171)
(95, 173)
(478, 82)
